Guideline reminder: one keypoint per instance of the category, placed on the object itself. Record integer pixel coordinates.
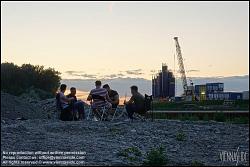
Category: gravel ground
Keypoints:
(13, 107)
(184, 142)
(103, 141)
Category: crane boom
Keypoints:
(181, 65)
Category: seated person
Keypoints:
(113, 95)
(136, 103)
(66, 113)
(102, 101)
(77, 105)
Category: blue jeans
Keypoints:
(79, 107)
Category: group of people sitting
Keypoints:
(99, 97)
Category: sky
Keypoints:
(89, 40)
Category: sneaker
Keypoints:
(95, 119)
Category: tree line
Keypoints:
(17, 80)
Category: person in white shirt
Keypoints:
(67, 112)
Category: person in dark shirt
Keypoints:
(113, 95)
(72, 94)
(136, 102)
(78, 105)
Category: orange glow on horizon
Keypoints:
(82, 95)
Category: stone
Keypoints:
(133, 130)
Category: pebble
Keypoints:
(133, 130)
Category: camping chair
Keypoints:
(147, 107)
(89, 112)
(59, 108)
(101, 109)
(120, 112)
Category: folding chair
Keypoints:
(59, 108)
(58, 105)
(120, 111)
(89, 112)
(102, 109)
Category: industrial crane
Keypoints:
(188, 90)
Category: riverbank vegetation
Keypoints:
(29, 79)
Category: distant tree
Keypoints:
(11, 78)
(18, 79)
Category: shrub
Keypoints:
(36, 94)
(180, 136)
(156, 157)
(130, 153)
(17, 80)
(196, 163)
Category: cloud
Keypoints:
(120, 75)
(81, 74)
(193, 71)
(135, 72)
(113, 76)
(220, 76)
(73, 72)
(88, 76)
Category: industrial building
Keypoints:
(215, 91)
(224, 96)
(214, 87)
(163, 83)
(200, 92)
(245, 95)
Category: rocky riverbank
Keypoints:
(123, 143)
(13, 107)
(103, 142)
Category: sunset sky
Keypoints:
(126, 39)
